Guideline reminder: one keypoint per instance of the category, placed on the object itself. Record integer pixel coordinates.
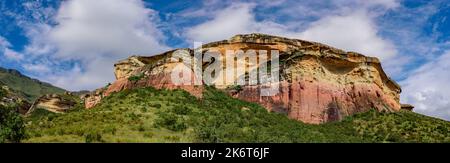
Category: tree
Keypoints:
(12, 129)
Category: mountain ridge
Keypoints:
(30, 88)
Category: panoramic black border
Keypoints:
(142, 152)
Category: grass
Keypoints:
(150, 115)
(128, 116)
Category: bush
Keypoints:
(93, 137)
(170, 121)
(136, 78)
(12, 127)
(237, 88)
(181, 110)
(157, 106)
(2, 92)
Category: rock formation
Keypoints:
(10, 98)
(318, 83)
(54, 103)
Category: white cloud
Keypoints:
(8, 53)
(354, 31)
(95, 34)
(116, 28)
(36, 68)
(39, 43)
(12, 55)
(4, 43)
(389, 4)
(226, 23)
(90, 32)
(427, 88)
(383, 4)
(83, 77)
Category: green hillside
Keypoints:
(150, 115)
(29, 88)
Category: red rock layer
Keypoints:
(319, 102)
(158, 81)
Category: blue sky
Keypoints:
(74, 43)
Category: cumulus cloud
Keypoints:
(427, 88)
(87, 76)
(117, 28)
(226, 23)
(354, 32)
(95, 35)
(351, 31)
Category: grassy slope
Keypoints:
(149, 115)
(29, 88)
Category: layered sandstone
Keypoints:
(318, 83)
(54, 103)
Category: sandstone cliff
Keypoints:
(318, 83)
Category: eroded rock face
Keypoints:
(54, 103)
(318, 83)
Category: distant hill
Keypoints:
(29, 88)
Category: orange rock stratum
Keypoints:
(318, 83)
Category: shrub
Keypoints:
(2, 92)
(141, 128)
(143, 109)
(107, 85)
(12, 127)
(170, 121)
(148, 134)
(181, 110)
(237, 88)
(156, 106)
(92, 137)
(136, 78)
(172, 138)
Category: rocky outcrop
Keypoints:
(51, 102)
(54, 103)
(10, 98)
(318, 83)
(93, 98)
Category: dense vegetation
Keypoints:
(30, 89)
(11, 126)
(150, 115)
